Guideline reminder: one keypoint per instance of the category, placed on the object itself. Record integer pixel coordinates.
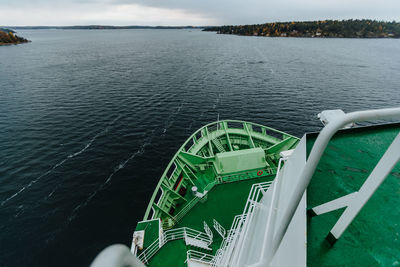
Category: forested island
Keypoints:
(322, 28)
(8, 37)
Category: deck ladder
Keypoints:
(218, 144)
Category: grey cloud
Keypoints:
(246, 12)
(260, 11)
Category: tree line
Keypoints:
(8, 37)
(364, 28)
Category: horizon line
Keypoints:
(182, 26)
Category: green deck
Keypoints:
(373, 238)
(152, 230)
(223, 203)
(172, 254)
(222, 151)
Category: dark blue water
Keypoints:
(89, 119)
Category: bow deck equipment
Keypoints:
(242, 194)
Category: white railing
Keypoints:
(239, 227)
(192, 203)
(186, 209)
(313, 159)
(219, 228)
(253, 200)
(231, 233)
(228, 239)
(170, 235)
(267, 239)
(216, 131)
(199, 257)
(208, 232)
(272, 235)
(217, 257)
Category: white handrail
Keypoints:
(208, 232)
(270, 225)
(199, 256)
(315, 155)
(252, 201)
(219, 228)
(170, 235)
(233, 242)
(192, 203)
(226, 241)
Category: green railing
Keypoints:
(203, 137)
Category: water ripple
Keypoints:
(87, 115)
(70, 156)
(117, 168)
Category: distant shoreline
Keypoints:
(370, 29)
(8, 37)
(315, 29)
(16, 43)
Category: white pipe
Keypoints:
(269, 229)
(318, 149)
(268, 232)
(116, 256)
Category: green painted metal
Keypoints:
(224, 202)
(171, 254)
(236, 147)
(241, 160)
(372, 239)
(151, 229)
(195, 162)
(245, 175)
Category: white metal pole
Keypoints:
(318, 149)
(375, 179)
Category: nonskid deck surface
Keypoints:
(373, 238)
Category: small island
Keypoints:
(322, 28)
(8, 37)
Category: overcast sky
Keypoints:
(188, 12)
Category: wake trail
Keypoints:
(265, 59)
(197, 119)
(70, 156)
(214, 106)
(171, 119)
(218, 100)
(117, 168)
(52, 192)
(33, 182)
(104, 131)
